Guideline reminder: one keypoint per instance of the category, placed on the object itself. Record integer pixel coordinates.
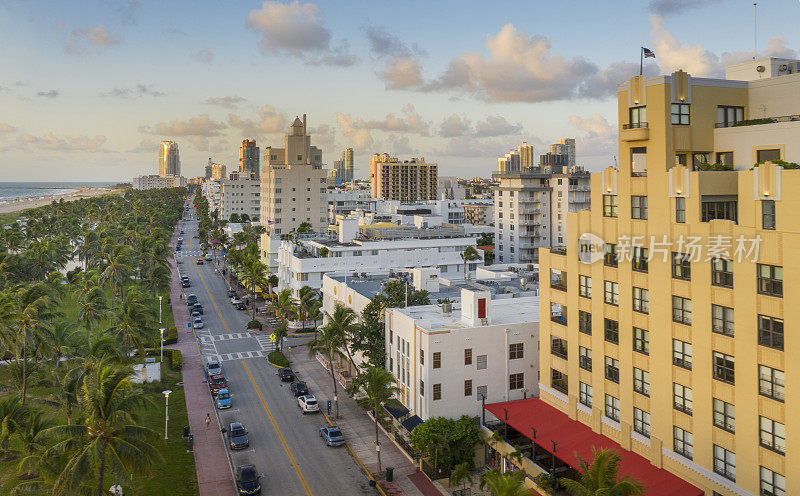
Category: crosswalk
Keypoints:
(191, 253)
(208, 348)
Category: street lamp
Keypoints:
(162, 344)
(159, 309)
(166, 419)
(336, 402)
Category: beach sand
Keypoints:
(25, 203)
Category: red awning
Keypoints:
(574, 438)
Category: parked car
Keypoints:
(231, 293)
(184, 278)
(191, 299)
(237, 436)
(248, 482)
(235, 301)
(308, 404)
(286, 375)
(208, 258)
(180, 238)
(223, 399)
(198, 308)
(198, 323)
(240, 306)
(331, 435)
(216, 383)
(299, 388)
(196, 314)
(199, 261)
(186, 284)
(214, 368)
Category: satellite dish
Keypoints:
(783, 67)
(761, 68)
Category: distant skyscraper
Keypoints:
(517, 160)
(408, 181)
(169, 162)
(565, 146)
(208, 169)
(218, 172)
(347, 158)
(249, 157)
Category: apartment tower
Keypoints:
(249, 158)
(408, 181)
(169, 162)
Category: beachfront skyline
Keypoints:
(89, 89)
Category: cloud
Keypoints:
(48, 94)
(496, 125)
(673, 55)
(96, 36)
(401, 73)
(200, 126)
(776, 47)
(269, 121)
(297, 30)
(126, 9)
(359, 130)
(50, 142)
(225, 101)
(360, 138)
(454, 126)
(401, 145)
(205, 56)
(323, 137)
(139, 90)
(145, 146)
(382, 43)
(667, 7)
(598, 144)
(594, 125)
(469, 146)
(7, 128)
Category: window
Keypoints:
(611, 331)
(680, 210)
(641, 422)
(468, 387)
(724, 415)
(585, 358)
(437, 359)
(612, 407)
(682, 398)
(516, 350)
(638, 117)
(770, 280)
(612, 369)
(681, 266)
(723, 367)
(682, 442)
(699, 159)
(641, 300)
(638, 207)
(610, 255)
(771, 154)
(722, 320)
(718, 210)
(585, 286)
(768, 214)
(725, 158)
(771, 383)
(772, 483)
(728, 116)
(483, 392)
(722, 272)
(641, 340)
(437, 392)
(770, 332)
(725, 462)
(467, 356)
(639, 259)
(680, 159)
(680, 114)
(481, 362)
(585, 322)
(681, 310)
(611, 292)
(641, 381)
(516, 381)
(609, 205)
(682, 354)
(559, 381)
(558, 347)
(772, 435)
(585, 396)
(421, 387)
(422, 357)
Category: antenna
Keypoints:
(755, 39)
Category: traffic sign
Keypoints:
(272, 338)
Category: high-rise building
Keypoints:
(249, 157)
(240, 194)
(407, 181)
(208, 169)
(696, 382)
(342, 171)
(565, 146)
(293, 184)
(218, 171)
(520, 159)
(169, 162)
(348, 164)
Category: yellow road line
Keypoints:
(212, 298)
(278, 432)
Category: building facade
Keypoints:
(158, 182)
(407, 181)
(218, 172)
(240, 194)
(169, 160)
(565, 146)
(520, 159)
(479, 212)
(249, 158)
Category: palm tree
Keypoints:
(461, 475)
(30, 308)
(272, 281)
(328, 340)
(58, 339)
(93, 309)
(307, 296)
(118, 270)
(132, 319)
(12, 411)
(313, 312)
(343, 322)
(504, 484)
(601, 477)
(30, 429)
(378, 384)
(109, 439)
(284, 306)
(470, 254)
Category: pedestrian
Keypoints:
(181, 295)
(208, 421)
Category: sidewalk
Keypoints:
(359, 430)
(210, 458)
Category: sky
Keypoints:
(88, 88)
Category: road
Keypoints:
(284, 444)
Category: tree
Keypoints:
(601, 477)
(504, 484)
(92, 304)
(323, 252)
(379, 385)
(370, 335)
(470, 254)
(461, 475)
(304, 227)
(132, 319)
(397, 292)
(30, 434)
(235, 219)
(12, 412)
(342, 322)
(272, 281)
(459, 436)
(118, 271)
(307, 297)
(284, 306)
(329, 339)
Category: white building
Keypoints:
(240, 194)
(449, 188)
(212, 193)
(566, 147)
(158, 182)
(346, 201)
(479, 211)
(447, 360)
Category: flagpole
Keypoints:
(641, 59)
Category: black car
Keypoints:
(240, 306)
(186, 284)
(299, 388)
(191, 299)
(237, 436)
(231, 293)
(286, 375)
(248, 482)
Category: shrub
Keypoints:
(254, 324)
(176, 360)
(277, 358)
(171, 336)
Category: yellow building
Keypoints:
(667, 309)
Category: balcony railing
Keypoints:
(756, 122)
(635, 125)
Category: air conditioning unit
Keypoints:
(783, 67)
(761, 68)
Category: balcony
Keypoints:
(635, 132)
(757, 122)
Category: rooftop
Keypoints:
(503, 311)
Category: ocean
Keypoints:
(11, 191)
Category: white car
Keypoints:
(198, 323)
(308, 404)
(235, 301)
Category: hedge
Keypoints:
(171, 336)
(277, 358)
(254, 324)
(175, 356)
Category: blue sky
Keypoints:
(88, 88)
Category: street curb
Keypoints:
(358, 460)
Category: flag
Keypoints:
(648, 53)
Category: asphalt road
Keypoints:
(284, 444)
